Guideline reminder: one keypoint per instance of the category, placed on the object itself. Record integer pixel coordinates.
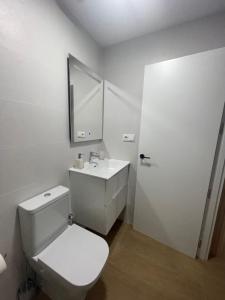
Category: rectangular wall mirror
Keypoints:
(85, 102)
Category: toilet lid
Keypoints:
(77, 256)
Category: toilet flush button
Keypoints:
(47, 194)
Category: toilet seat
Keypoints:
(77, 256)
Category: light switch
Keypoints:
(81, 134)
(128, 137)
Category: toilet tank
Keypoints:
(43, 218)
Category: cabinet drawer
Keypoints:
(115, 207)
(115, 185)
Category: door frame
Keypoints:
(212, 205)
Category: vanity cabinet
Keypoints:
(97, 202)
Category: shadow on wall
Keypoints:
(122, 114)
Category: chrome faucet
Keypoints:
(91, 155)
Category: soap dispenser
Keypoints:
(79, 162)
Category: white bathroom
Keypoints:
(112, 149)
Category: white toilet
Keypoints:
(68, 259)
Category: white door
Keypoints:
(182, 108)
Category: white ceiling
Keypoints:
(113, 21)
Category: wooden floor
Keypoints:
(140, 268)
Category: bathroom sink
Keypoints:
(104, 169)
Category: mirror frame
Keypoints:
(93, 75)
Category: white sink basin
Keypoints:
(104, 169)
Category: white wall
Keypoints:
(117, 105)
(124, 63)
(35, 153)
(124, 66)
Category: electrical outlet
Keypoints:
(81, 134)
(128, 137)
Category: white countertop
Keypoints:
(104, 169)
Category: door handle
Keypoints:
(142, 156)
